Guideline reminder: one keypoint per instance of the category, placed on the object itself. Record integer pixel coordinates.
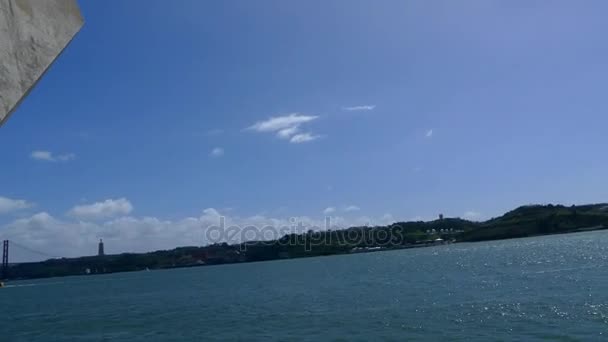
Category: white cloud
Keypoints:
(429, 133)
(359, 108)
(217, 152)
(303, 137)
(42, 155)
(281, 122)
(70, 238)
(48, 156)
(329, 210)
(8, 205)
(287, 127)
(285, 133)
(42, 232)
(99, 210)
(472, 215)
(351, 208)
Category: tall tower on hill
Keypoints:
(100, 251)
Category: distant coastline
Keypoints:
(525, 221)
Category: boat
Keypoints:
(1, 284)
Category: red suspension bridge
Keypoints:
(25, 252)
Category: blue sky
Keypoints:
(383, 111)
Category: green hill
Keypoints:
(533, 220)
(529, 220)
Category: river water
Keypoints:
(542, 288)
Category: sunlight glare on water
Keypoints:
(551, 287)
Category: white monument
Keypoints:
(33, 33)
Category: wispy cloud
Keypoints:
(42, 155)
(359, 108)
(303, 137)
(8, 205)
(287, 127)
(329, 210)
(345, 209)
(281, 122)
(429, 133)
(106, 209)
(351, 208)
(50, 157)
(285, 133)
(217, 152)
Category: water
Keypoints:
(543, 288)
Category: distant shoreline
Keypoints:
(525, 221)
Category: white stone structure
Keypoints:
(33, 33)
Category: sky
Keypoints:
(161, 118)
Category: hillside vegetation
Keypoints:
(524, 221)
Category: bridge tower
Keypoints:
(4, 274)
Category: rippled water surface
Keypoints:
(543, 288)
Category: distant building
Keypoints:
(440, 216)
(100, 251)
